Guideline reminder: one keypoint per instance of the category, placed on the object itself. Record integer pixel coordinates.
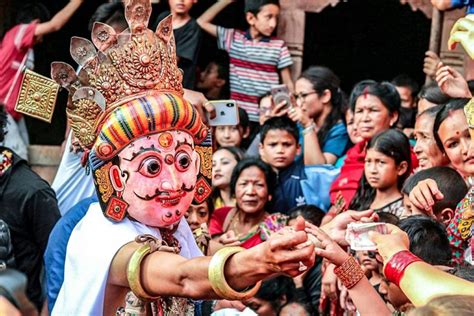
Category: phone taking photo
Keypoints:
(227, 113)
(281, 93)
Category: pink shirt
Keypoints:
(14, 47)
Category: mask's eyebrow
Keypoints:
(179, 144)
(142, 150)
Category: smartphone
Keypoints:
(281, 93)
(227, 113)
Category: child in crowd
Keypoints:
(188, 36)
(371, 266)
(279, 147)
(213, 81)
(296, 182)
(387, 165)
(198, 216)
(233, 135)
(428, 241)
(354, 136)
(257, 60)
(450, 183)
(224, 159)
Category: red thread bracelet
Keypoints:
(395, 267)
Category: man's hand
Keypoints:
(287, 251)
(389, 244)
(201, 103)
(463, 32)
(451, 82)
(325, 246)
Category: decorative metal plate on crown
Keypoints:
(37, 96)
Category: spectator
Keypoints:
(448, 182)
(29, 208)
(387, 165)
(249, 222)
(408, 90)
(375, 106)
(430, 95)
(213, 81)
(257, 60)
(233, 135)
(224, 161)
(187, 35)
(273, 294)
(320, 112)
(32, 24)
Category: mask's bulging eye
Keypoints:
(183, 161)
(150, 167)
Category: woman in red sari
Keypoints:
(376, 108)
(248, 223)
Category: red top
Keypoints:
(346, 185)
(272, 223)
(13, 49)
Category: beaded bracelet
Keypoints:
(310, 128)
(395, 267)
(349, 272)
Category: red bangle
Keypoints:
(395, 267)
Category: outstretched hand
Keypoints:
(336, 228)
(451, 82)
(288, 250)
(389, 244)
(325, 246)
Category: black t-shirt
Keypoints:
(28, 205)
(188, 42)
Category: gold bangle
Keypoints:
(133, 273)
(217, 278)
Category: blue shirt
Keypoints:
(55, 253)
(288, 192)
(456, 4)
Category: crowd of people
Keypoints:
(286, 181)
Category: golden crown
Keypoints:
(115, 68)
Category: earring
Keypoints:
(116, 209)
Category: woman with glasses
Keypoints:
(320, 112)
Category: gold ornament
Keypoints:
(115, 67)
(37, 96)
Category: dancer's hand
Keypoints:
(287, 251)
(389, 244)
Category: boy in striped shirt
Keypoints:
(257, 60)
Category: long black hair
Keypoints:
(323, 78)
(443, 113)
(393, 144)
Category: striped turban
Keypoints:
(147, 115)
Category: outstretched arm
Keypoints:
(206, 18)
(167, 274)
(434, 281)
(58, 21)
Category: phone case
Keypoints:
(227, 113)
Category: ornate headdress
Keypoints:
(128, 85)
